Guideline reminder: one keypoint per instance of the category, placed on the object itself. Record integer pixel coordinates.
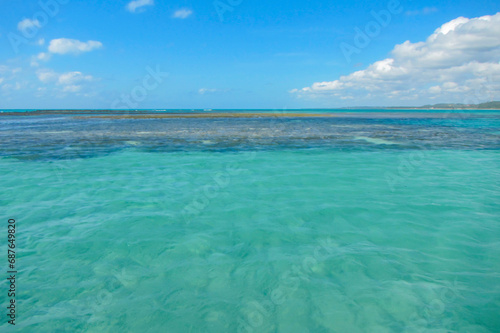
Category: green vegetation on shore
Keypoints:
(494, 105)
(481, 106)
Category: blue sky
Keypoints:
(246, 54)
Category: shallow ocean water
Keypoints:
(350, 225)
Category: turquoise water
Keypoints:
(292, 225)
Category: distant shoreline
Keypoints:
(490, 106)
(436, 109)
(229, 111)
(121, 114)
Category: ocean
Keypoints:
(355, 221)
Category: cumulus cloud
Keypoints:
(136, 5)
(9, 78)
(9, 87)
(27, 25)
(42, 56)
(73, 77)
(72, 88)
(182, 13)
(9, 71)
(46, 76)
(69, 81)
(72, 46)
(459, 61)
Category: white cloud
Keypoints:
(72, 88)
(73, 46)
(203, 91)
(42, 56)
(182, 13)
(9, 74)
(73, 77)
(459, 62)
(46, 75)
(10, 81)
(71, 82)
(134, 6)
(10, 87)
(26, 25)
(425, 11)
